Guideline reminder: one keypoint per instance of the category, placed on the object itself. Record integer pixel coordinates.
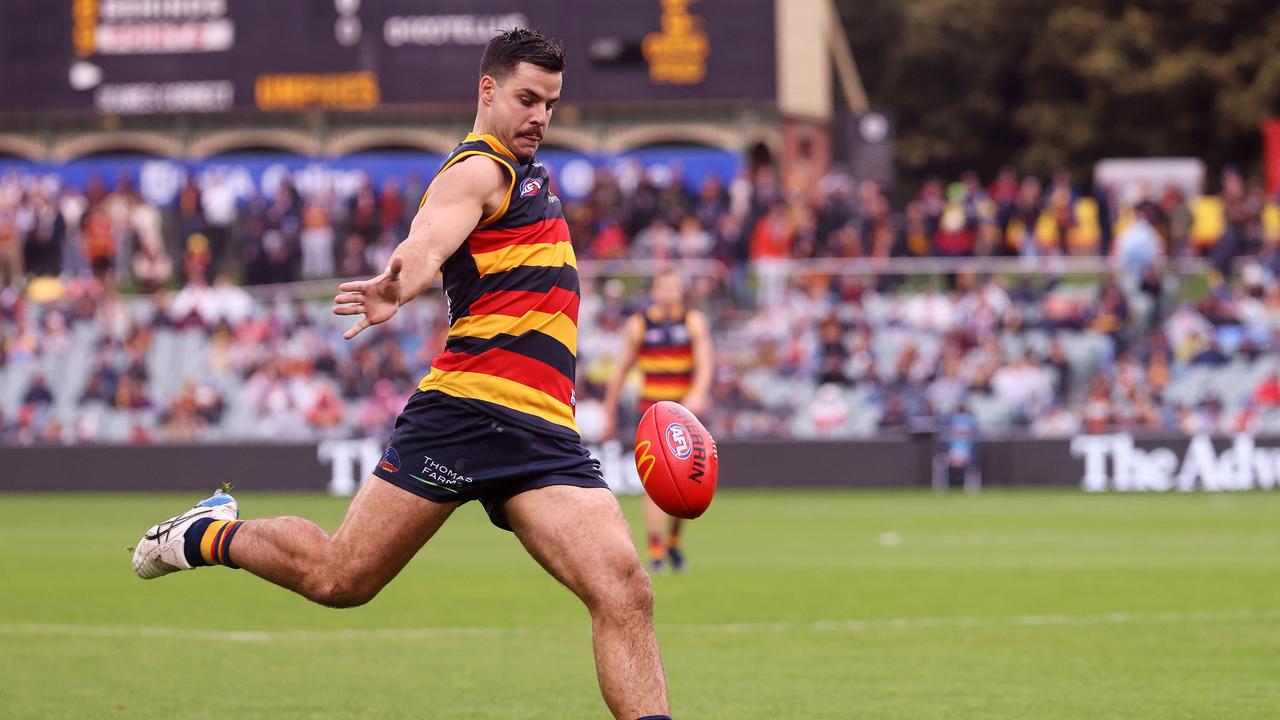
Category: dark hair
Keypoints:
(512, 47)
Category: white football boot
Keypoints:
(162, 550)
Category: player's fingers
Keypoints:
(348, 309)
(393, 270)
(355, 329)
(350, 297)
(354, 286)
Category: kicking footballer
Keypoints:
(492, 421)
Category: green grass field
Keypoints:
(799, 605)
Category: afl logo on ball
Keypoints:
(530, 187)
(678, 441)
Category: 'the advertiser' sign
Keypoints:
(1116, 463)
(170, 56)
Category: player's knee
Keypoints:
(627, 593)
(640, 589)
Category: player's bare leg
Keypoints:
(580, 536)
(657, 522)
(383, 529)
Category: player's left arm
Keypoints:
(699, 396)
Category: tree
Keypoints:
(1040, 84)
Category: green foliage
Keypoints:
(1042, 84)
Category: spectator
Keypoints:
(363, 212)
(961, 440)
(832, 354)
(1267, 395)
(828, 413)
(1138, 247)
(771, 240)
(317, 242)
(38, 394)
(219, 207)
(392, 207)
(131, 394)
(1023, 385)
(1212, 355)
(190, 208)
(352, 262)
(102, 383)
(43, 247)
(152, 266)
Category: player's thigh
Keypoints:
(383, 529)
(580, 536)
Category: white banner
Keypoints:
(1114, 463)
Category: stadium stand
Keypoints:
(123, 322)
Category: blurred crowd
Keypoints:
(117, 236)
(202, 364)
(752, 220)
(1044, 356)
(193, 356)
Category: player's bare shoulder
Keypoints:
(634, 329)
(476, 178)
(697, 323)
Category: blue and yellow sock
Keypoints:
(208, 542)
(656, 549)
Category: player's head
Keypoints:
(667, 288)
(520, 78)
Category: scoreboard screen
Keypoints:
(192, 56)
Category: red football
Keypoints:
(677, 460)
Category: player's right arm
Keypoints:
(455, 203)
(632, 337)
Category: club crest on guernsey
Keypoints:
(530, 187)
(390, 460)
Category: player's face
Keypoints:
(521, 108)
(667, 291)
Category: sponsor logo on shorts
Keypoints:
(390, 460)
(442, 476)
(678, 441)
(530, 187)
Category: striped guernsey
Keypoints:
(665, 358)
(513, 297)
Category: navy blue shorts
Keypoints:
(446, 451)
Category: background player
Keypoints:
(494, 419)
(672, 346)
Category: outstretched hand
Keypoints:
(377, 298)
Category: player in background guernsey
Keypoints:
(671, 344)
(493, 420)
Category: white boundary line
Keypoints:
(749, 628)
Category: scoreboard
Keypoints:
(194, 56)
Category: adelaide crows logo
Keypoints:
(390, 460)
(530, 187)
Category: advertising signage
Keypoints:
(190, 56)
